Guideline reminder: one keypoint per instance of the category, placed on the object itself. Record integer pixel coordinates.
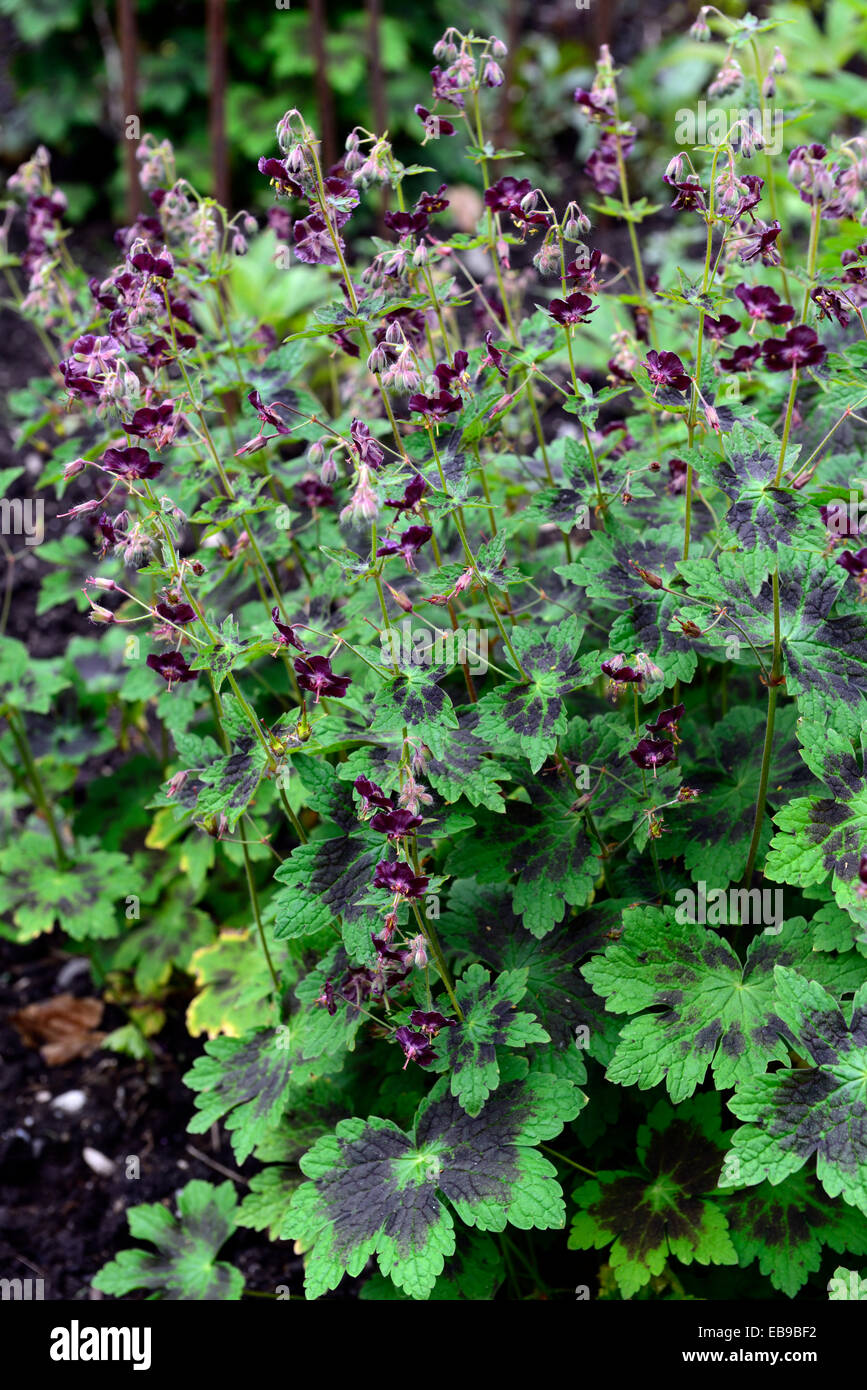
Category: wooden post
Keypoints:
(216, 44)
(128, 44)
(325, 110)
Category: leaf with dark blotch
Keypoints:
(824, 656)
(786, 1227)
(326, 879)
(762, 516)
(414, 701)
(664, 1209)
(824, 836)
(245, 1081)
(376, 1190)
(469, 767)
(545, 845)
(490, 1020)
(527, 717)
(798, 1114)
(185, 1267)
(474, 1272)
(479, 923)
(709, 1011)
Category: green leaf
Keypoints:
(245, 1081)
(762, 516)
(822, 836)
(786, 1227)
(235, 986)
(544, 843)
(490, 1021)
(185, 1267)
(847, 1284)
(86, 899)
(527, 717)
(25, 683)
(414, 701)
(473, 1272)
(231, 652)
(608, 570)
(659, 1210)
(824, 656)
(376, 1190)
(798, 1113)
(469, 767)
(715, 1012)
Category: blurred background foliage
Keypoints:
(60, 81)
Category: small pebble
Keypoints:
(70, 1102)
(97, 1162)
(42, 1096)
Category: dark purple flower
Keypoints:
(266, 413)
(599, 106)
(742, 359)
(285, 633)
(676, 484)
(153, 265)
(493, 357)
(830, 304)
(761, 243)
(576, 309)
(276, 171)
(315, 674)
(618, 671)
(431, 1023)
(666, 369)
(373, 795)
(406, 223)
(412, 495)
(280, 222)
(837, 519)
(131, 463)
(505, 195)
(151, 422)
(446, 373)
(399, 878)
(689, 196)
(761, 302)
(106, 526)
(326, 998)
(171, 666)
(177, 613)
(438, 407)
(447, 87)
(652, 754)
(799, 348)
(602, 167)
(582, 272)
(368, 450)
(407, 544)
(313, 241)
(429, 203)
(720, 328)
(667, 720)
(416, 1046)
(854, 563)
(315, 493)
(755, 184)
(395, 823)
(434, 125)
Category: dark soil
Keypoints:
(60, 1221)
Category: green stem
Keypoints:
(37, 786)
(769, 739)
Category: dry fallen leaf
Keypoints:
(62, 1027)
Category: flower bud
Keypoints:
(73, 469)
(100, 615)
(492, 75)
(498, 48)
